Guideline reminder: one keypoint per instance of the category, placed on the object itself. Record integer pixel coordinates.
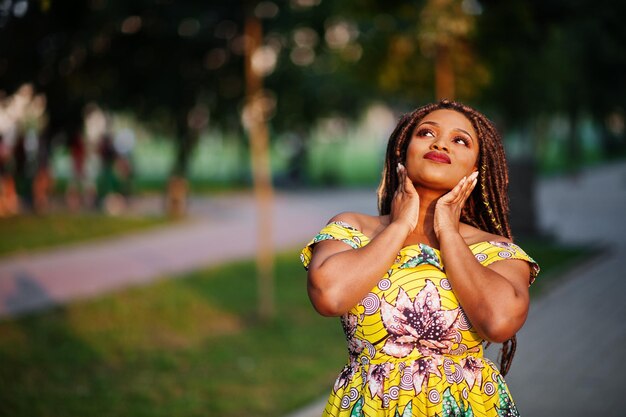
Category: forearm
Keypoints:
(492, 303)
(343, 279)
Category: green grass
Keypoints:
(27, 232)
(183, 347)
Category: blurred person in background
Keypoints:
(8, 196)
(76, 189)
(43, 180)
(422, 287)
(22, 170)
(124, 143)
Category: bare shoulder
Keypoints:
(473, 235)
(365, 223)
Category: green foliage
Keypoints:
(552, 57)
(518, 61)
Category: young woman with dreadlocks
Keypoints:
(421, 287)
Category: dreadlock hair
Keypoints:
(487, 207)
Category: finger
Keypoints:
(452, 196)
(457, 191)
(462, 192)
(403, 178)
(408, 184)
(465, 192)
(400, 180)
(410, 187)
(472, 180)
(468, 188)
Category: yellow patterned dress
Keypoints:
(412, 350)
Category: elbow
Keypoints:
(324, 299)
(324, 303)
(496, 335)
(501, 329)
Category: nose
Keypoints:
(439, 145)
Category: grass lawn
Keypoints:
(182, 347)
(28, 232)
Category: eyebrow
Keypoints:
(457, 129)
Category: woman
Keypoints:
(398, 280)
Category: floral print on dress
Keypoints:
(421, 371)
(419, 324)
(472, 371)
(453, 408)
(346, 375)
(355, 242)
(426, 255)
(505, 245)
(376, 378)
(412, 351)
(355, 345)
(505, 408)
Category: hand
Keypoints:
(449, 206)
(405, 204)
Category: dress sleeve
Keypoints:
(333, 231)
(489, 252)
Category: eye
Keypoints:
(424, 132)
(461, 140)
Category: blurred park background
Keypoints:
(209, 140)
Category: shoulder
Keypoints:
(367, 224)
(473, 235)
(489, 249)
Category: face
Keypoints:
(442, 150)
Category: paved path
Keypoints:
(219, 230)
(570, 358)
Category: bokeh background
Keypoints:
(145, 140)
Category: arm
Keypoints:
(495, 298)
(339, 276)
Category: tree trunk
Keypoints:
(444, 73)
(177, 186)
(261, 172)
(176, 197)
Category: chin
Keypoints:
(437, 181)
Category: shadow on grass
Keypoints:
(45, 367)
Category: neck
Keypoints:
(425, 229)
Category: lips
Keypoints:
(437, 157)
